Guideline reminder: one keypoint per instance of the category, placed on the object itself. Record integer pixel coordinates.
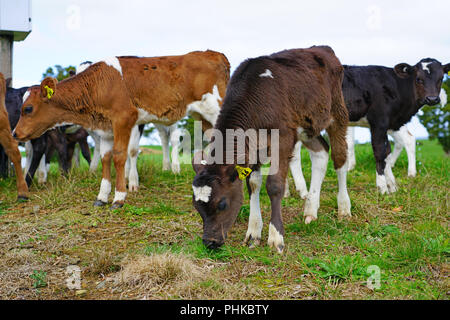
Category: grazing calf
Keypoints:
(114, 95)
(385, 99)
(10, 145)
(299, 93)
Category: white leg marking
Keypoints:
(105, 190)
(344, 204)
(390, 179)
(351, 148)
(29, 156)
(404, 138)
(96, 156)
(287, 192)
(296, 169)
(133, 152)
(175, 135)
(42, 171)
(319, 162)
(255, 223)
(119, 196)
(275, 240)
(381, 183)
(164, 136)
(106, 145)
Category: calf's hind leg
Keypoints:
(338, 141)
(318, 151)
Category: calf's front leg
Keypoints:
(381, 149)
(255, 223)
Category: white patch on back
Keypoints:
(266, 74)
(26, 95)
(115, 63)
(83, 66)
(425, 66)
(208, 107)
(202, 193)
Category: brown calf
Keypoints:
(298, 92)
(9, 144)
(114, 95)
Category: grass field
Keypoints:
(152, 249)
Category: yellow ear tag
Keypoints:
(49, 92)
(243, 172)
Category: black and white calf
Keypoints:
(385, 99)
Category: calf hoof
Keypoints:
(116, 205)
(278, 247)
(276, 239)
(22, 198)
(176, 168)
(344, 216)
(309, 219)
(99, 203)
(252, 242)
(133, 188)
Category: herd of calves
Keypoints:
(294, 95)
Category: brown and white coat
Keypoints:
(114, 95)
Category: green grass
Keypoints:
(404, 235)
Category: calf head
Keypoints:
(426, 77)
(40, 111)
(218, 198)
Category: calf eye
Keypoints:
(222, 205)
(27, 110)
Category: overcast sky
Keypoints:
(360, 32)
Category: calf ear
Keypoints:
(403, 70)
(197, 161)
(48, 87)
(231, 172)
(446, 68)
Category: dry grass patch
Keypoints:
(160, 271)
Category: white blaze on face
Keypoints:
(202, 193)
(266, 74)
(115, 63)
(425, 66)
